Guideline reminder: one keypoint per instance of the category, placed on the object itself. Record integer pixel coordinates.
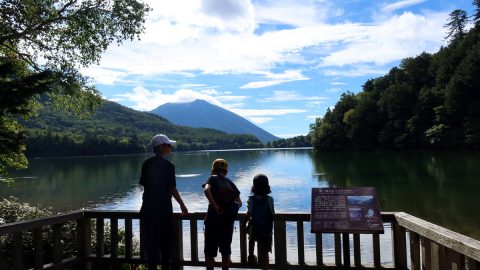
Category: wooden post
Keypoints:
(376, 250)
(357, 260)
(100, 237)
(113, 238)
(177, 254)
(17, 250)
(280, 244)
(57, 245)
(426, 254)
(300, 243)
(443, 258)
(472, 264)
(435, 258)
(458, 261)
(194, 240)
(399, 246)
(84, 241)
(346, 250)
(142, 240)
(415, 251)
(128, 238)
(338, 249)
(319, 248)
(38, 250)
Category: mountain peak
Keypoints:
(201, 113)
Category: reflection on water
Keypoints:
(439, 187)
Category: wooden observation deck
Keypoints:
(108, 239)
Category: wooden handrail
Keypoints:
(443, 236)
(40, 222)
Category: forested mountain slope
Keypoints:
(115, 129)
(431, 101)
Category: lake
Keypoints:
(440, 187)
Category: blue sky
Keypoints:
(278, 63)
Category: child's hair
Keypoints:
(260, 185)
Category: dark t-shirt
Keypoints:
(224, 192)
(157, 179)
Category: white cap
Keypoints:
(160, 139)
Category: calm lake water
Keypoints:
(440, 187)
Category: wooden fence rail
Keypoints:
(106, 239)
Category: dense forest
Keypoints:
(297, 141)
(431, 101)
(115, 129)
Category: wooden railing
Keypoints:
(108, 238)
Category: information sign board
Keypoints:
(351, 210)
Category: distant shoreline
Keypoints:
(197, 151)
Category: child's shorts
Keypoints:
(218, 236)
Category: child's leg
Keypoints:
(251, 252)
(263, 249)
(251, 247)
(209, 262)
(226, 262)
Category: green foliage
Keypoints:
(12, 210)
(297, 141)
(431, 101)
(54, 133)
(43, 43)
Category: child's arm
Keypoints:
(176, 196)
(243, 224)
(238, 201)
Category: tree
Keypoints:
(43, 44)
(476, 16)
(456, 25)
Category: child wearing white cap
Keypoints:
(159, 184)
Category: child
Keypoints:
(224, 201)
(260, 212)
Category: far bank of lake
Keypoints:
(440, 187)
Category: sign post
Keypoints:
(345, 210)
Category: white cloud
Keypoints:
(276, 78)
(354, 71)
(146, 100)
(192, 85)
(290, 96)
(400, 4)
(231, 98)
(210, 92)
(104, 75)
(337, 83)
(260, 120)
(280, 12)
(181, 37)
(312, 117)
(401, 36)
(265, 112)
